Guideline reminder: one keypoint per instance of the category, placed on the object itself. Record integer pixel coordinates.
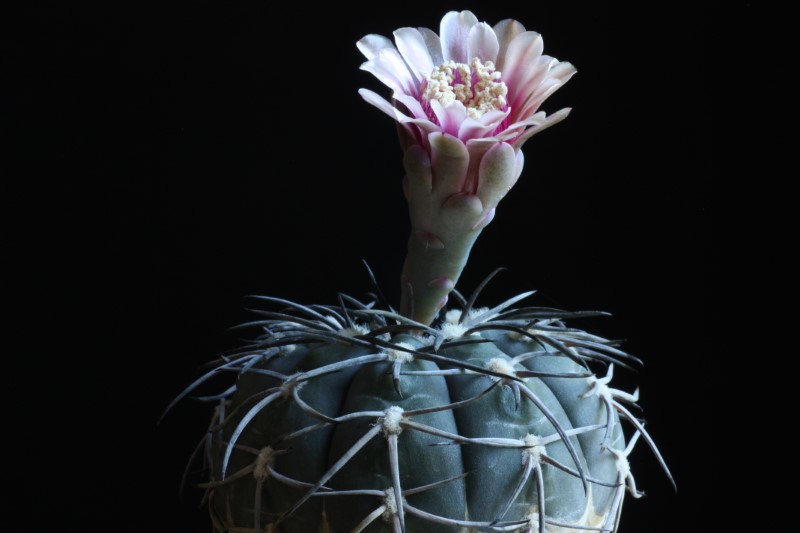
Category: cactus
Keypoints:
(358, 417)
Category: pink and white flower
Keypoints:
(477, 83)
(465, 100)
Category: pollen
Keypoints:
(478, 86)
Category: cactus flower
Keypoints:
(466, 101)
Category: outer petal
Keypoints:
(529, 84)
(434, 45)
(553, 119)
(522, 55)
(506, 30)
(482, 43)
(414, 50)
(455, 33)
(412, 104)
(386, 74)
(371, 44)
(380, 102)
(390, 63)
(547, 88)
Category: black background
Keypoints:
(174, 159)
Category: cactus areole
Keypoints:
(356, 417)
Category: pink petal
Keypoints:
(390, 68)
(385, 74)
(417, 128)
(553, 119)
(482, 43)
(472, 128)
(527, 85)
(542, 93)
(371, 44)
(434, 45)
(493, 119)
(381, 103)
(534, 120)
(454, 33)
(412, 104)
(450, 117)
(522, 56)
(505, 30)
(414, 50)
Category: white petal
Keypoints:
(482, 43)
(390, 68)
(553, 119)
(385, 74)
(381, 103)
(506, 30)
(522, 56)
(434, 45)
(414, 50)
(563, 70)
(412, 104)
(371, 44)
(542, 93)
(528, 84)
(454, 33)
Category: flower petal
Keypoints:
(371, 44)
(522, 56)
(472, 128)
(414, 50)
(389, 67)
(454, 33)
(450, 117)
(553, 119)
(506, 30)
(412, 104)
(381, 103)
(482, 43)
(434, 45)
(547, 88)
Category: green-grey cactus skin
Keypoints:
(361, 420)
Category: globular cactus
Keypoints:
(356, 417)
(351, 418)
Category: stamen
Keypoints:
(478, 86)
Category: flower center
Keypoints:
(477, 86)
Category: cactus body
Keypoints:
(354, 419)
